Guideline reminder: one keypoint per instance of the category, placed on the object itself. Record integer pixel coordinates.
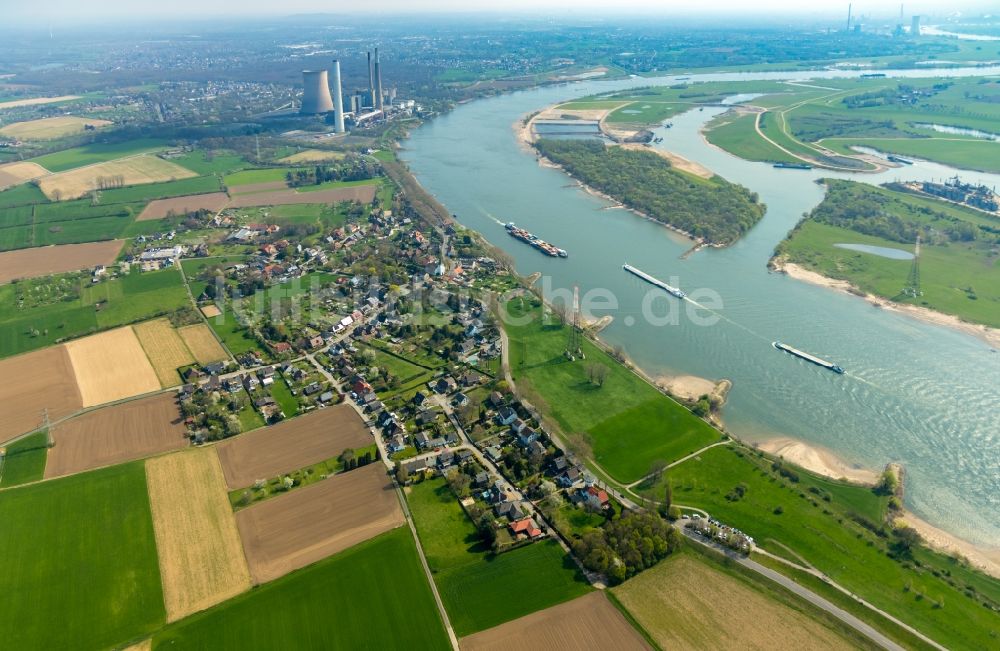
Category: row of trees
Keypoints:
(715, 210)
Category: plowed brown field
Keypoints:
(361, 193)
(33, 382)
(308, 524)
(202, 343)
(291, 444)
(589, 622)
(104, 437)
(201, 560)
(161, 208)
(46, 260)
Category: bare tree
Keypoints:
(600, 374)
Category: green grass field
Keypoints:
(263, 175)
(87, 308)
(957, 277)
(79, 564)
(739, 138)
(283, 395)
(646, 113)
(372, 596)
(480, 590)
(218, 163)
(630, 423)
(22, 195)
(167, 189)
(236, 337)
(24, 461)
(825, 534)
(68, 159)
(69, 222)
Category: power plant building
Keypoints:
(915, 26)
(316, 96)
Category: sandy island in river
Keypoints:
(990, 335)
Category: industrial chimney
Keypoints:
(371, 81)
(378, 82)
(316, 98)
(914, 29)
(338, 99)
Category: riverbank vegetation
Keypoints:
(713, 210)
(958, 270)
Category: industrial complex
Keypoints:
(360, 107)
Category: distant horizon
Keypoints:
(60, 12)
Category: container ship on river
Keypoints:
(673, 291)
(538, 243)
(806, 356)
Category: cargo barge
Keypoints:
(806, 356)
(673, 291)
(793, 166)
(538, 243)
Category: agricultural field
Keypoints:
(134, 170)
(22, 195)
(201, 560)
(481, 590)
(312, 156)
(588, 622)
(45, 386)
(165, 349)
(136, 297)
(291, 444)
(258, 176)
(111, 366)
(115, 434)
(688, 601)
(192, 185)
(51, 128)
(210, 162)
(12, 174)
(361, 193)
(36, 101)
(24, 461)
(33, 263)
(825, 523)
(162, 208)
(67, 159)
(295, 610)
(202, 344)
(957, 254)
(629, 423)
(89, 554)
(301, 527)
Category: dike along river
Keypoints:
(922, 395)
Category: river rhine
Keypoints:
(923, 395)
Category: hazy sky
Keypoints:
(61, 10)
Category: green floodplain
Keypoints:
(957, 265)
(842, 529)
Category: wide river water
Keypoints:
(922, 395)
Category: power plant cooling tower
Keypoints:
(378, 82)
(338, 100)
(316, 98)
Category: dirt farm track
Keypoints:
(293, 530)
(33, 382)
(46, 260)
(291, 445)
(588, 622)
(116, 434)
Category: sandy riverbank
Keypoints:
(687, 387)
(990, 335)
(676, 160)
(818, 460)
(984, 558)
